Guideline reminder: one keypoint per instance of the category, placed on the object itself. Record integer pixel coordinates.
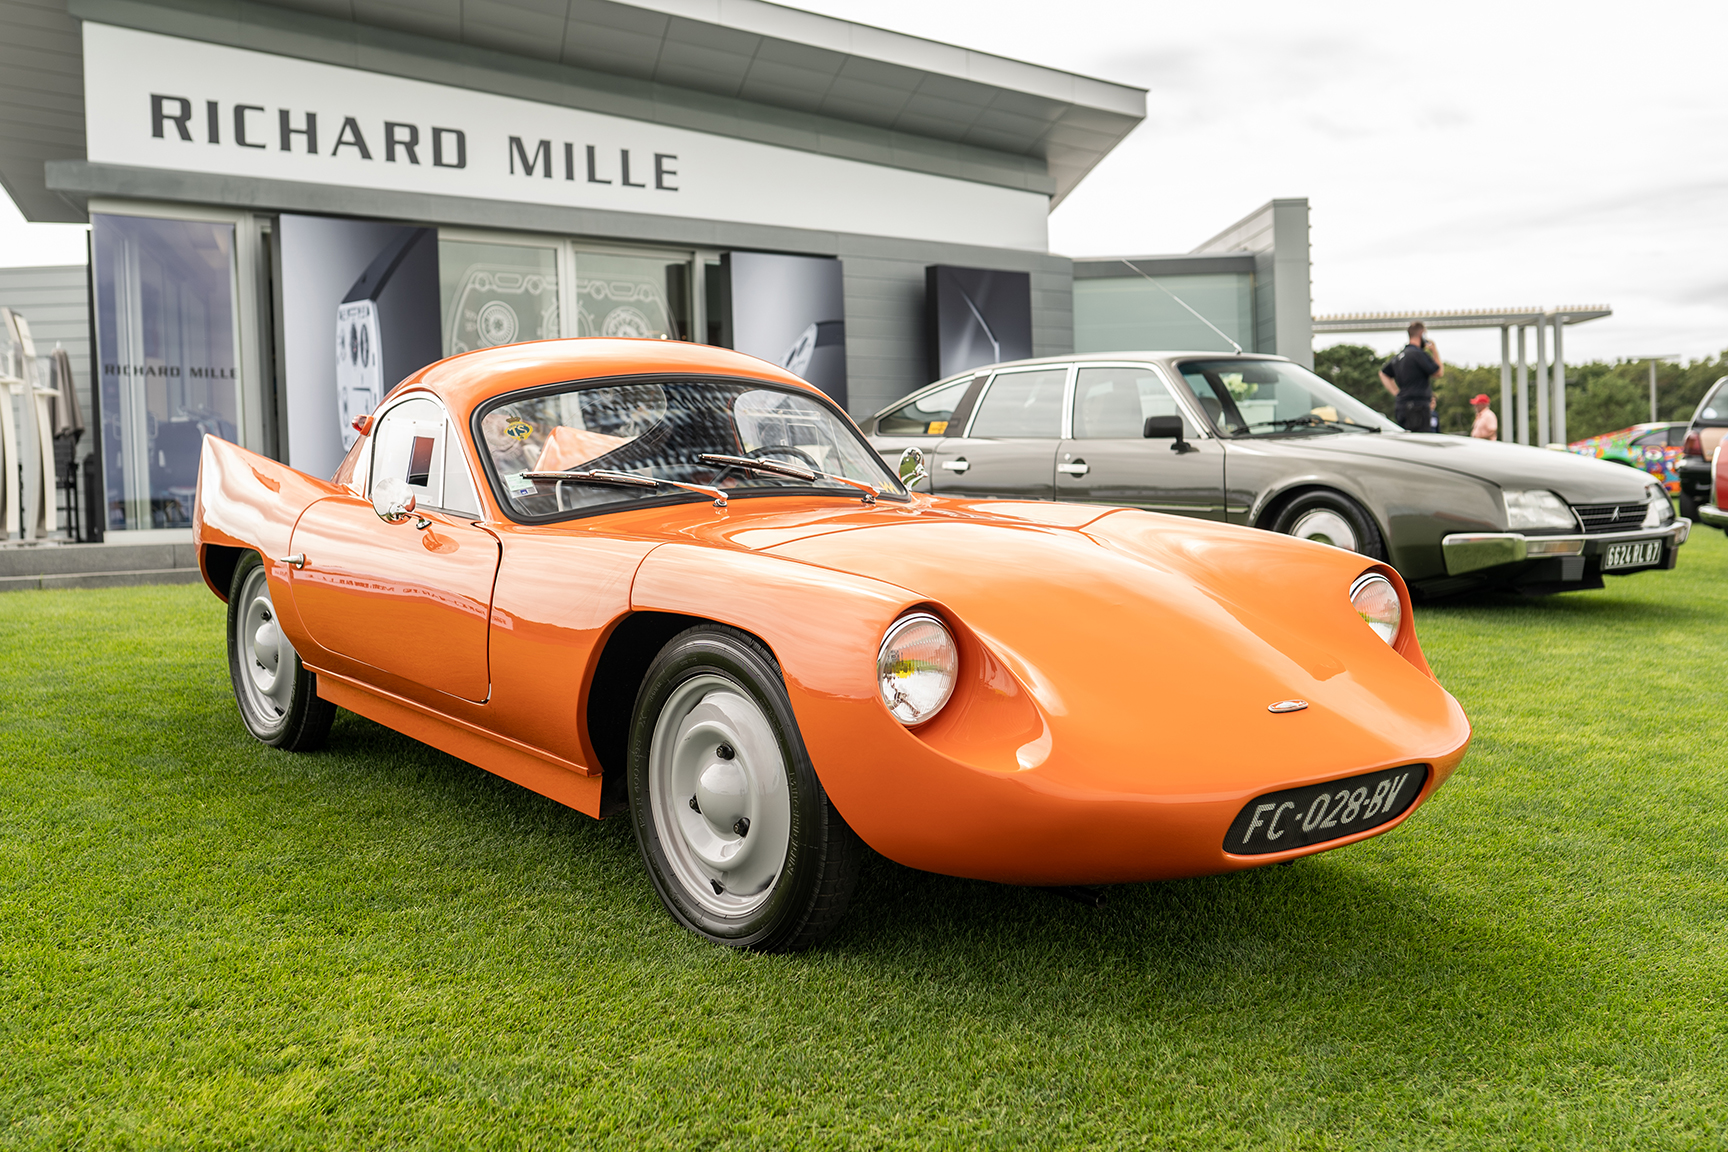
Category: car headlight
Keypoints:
(1376, 601)
(1658, 511)
(917, 667)
(1537, 508)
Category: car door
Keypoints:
(1106, 458)
(1009, 448)
(411, 599)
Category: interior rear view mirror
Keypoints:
(1167, 428)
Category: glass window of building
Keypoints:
(497, 294)
(640, 296)
(165, 334)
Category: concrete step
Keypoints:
(96, 565)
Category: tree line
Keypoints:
(1600, 397)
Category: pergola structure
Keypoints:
(1550, 385)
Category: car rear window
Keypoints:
(1714, 409)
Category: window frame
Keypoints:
(452, 431)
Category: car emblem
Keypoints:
(1287, 706)
(1616, 515)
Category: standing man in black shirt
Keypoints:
(1409, 377)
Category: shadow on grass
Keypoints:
(1338, 944)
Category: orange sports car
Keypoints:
(675, 581)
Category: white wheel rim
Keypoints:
(727, 871)
(1324, 526)
(267, 660)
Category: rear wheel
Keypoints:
(1331, 518)
(278, 697)
(737, 833)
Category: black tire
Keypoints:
(292, 717)
(809, 887)
(1300, 515)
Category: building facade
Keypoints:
(294, 204)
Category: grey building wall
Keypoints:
(1277, 235)
(55, 300)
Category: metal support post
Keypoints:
(1523, 390)
(1542, 428)
(1506, 430)
(1559, 383)
(1652, 390)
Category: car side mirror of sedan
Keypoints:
(912, 466)
(1168, 428)
(392, 500)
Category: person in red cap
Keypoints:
(1486, 426)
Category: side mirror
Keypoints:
(1168, 428)
(392, 500)
(912, 466)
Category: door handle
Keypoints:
(1077, 468)
(959, 465)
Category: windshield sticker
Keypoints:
(517, 428)
(937, 427)
(518, 484)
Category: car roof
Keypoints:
(468, 380)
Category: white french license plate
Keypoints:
(1633, 554)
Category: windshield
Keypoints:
(1714, 409)
(1276, 398)
(660, 431)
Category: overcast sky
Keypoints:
(1474, 155)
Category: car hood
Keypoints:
(1576, 479)
(1143, 637)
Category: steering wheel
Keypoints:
(802, 456)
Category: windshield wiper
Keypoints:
(1310, 420)
(628, 480)
(792, 471)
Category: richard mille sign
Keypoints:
(207, 108)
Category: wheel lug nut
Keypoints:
(742, 827)
(694, 807)
(724, 752)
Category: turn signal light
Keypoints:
(1694, 445)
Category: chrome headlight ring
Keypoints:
(1377, 602)
(917, 667)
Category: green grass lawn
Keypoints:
(204, 942)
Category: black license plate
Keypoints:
(1298, 817)
(1632, 554)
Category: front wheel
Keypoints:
(739, 838)
(1331, 518)
(278, 697)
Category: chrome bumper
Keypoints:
(1713, 516)
(1467, 552)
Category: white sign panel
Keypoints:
(162, 102)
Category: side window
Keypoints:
(928, 415)
(459, 494)
(416, 443)
(1022, 404)
(1113, 403)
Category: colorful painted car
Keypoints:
(1656, 448)
(674, 581)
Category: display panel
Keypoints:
(791, 311)
(165, 345)
(975, 316)
(375, 286)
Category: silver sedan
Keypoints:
(1262, 441)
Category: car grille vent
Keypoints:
(1610, 517)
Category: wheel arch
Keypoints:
(1274, 501)
(217, 562)
(619, 672)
